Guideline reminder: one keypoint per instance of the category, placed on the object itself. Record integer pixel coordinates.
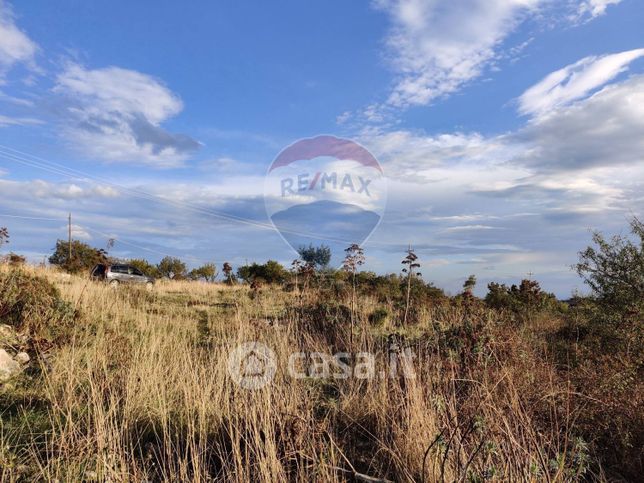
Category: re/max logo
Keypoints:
(325, 181)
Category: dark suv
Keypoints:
(116, 274)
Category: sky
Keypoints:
(507, 129)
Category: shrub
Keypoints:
(33, 305)
(316, 256)
(173, 268)
(207, 272)
(526, 298)
(378, 316)
(614, 270)
(269, 272)
(14, 259)
(84, 257)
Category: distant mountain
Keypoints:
(326, 220)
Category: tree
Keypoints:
(4, 236)
(270, 272)
(208, 272)
(229, 276)
(498, 296)
(410, 265)
(468, 286)
(145, 266)
(316, 256)
(353, 259)
(172, 267)
(614, 270)
(526, 298)
(84, 256)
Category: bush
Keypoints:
(378, 316)
(614, 270)
(317, 256)
(33, 305)
(145, 266)
(84, 257)
(173, 268)
(527, 298)
(270, 272)
(14, 259)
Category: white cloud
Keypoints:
(78, 232)
(594, 8)
(575, 81)
(17, 121)
(417, 157)
(117, 115)
(606, 129)
(41, 190)
(436, 47)
(15, 45)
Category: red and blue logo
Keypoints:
(325, 190)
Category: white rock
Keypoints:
(8, 367)
(8, 336)
(22, 357)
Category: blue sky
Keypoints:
(507, 128)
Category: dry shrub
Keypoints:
(32, 304)
(145, 394)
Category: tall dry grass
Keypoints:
(141, 391)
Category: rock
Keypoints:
(22, 357)
(8, 367)
(8, 336)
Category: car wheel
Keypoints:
(114, 283)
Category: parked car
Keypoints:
(121, 273)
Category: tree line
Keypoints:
(613, 269)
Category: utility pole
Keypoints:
(69, 239)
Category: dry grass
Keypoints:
(141, 392)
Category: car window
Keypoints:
(99, 270)
(119, 269)
(136, 271)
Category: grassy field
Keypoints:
(133, 385)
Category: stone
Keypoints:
(8, 336)
(8, 367)
(22, 357)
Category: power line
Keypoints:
(120, 240)
(56, 168)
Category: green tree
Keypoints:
(614, 270)
(172, 267)
(229, 276)
(469, 285)
(498, 296)
(146, 267)
(207, 272)
(316, 256)
(84, 256)
(269, 272)
(525, 298)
